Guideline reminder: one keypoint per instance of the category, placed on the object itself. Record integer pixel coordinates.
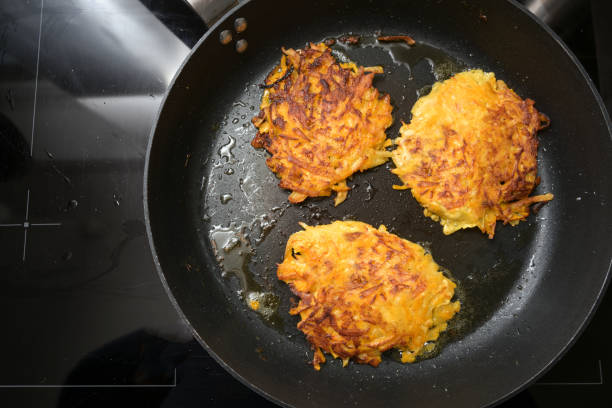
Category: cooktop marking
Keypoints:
(27, 225)
(173, 385)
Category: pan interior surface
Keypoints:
(525, 294)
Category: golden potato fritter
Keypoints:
(469, 154)
(364, 290)
(321, 121)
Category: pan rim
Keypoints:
(606, 116)
(545, 368)
(147, 218)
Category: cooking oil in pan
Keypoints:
(442, 65)
(233, 251)
(264, 303)
(225, 198)
(370, 190)
(225, 152)
(424, 91)
(262, 225)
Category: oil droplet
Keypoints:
(226, 150)
(443, 70)
(424, 91)
(426, 246)
(531, 267)
(340, 56)
(225, 198)
(316, 213)
(370, 191)
(262, 225)
(71, 205)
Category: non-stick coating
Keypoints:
(526, 294)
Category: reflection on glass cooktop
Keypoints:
(86, 320)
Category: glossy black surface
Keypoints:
(85, 306)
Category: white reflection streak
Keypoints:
(140, 35)
(42, 3)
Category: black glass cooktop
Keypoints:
(85, 320)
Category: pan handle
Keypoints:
(211, 10)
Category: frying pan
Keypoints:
(526, 294)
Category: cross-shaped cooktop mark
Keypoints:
(26, 225)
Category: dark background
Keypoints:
(85, 319)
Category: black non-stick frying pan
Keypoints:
(526, 294)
